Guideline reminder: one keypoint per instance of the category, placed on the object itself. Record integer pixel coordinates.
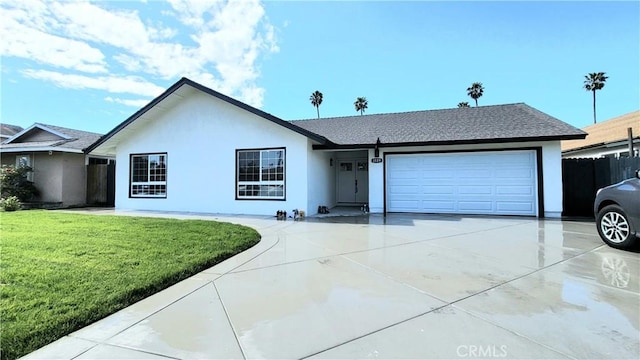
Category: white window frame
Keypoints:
(148, 183)
(28, 157)
(240, 185)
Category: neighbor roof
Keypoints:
(8, 130)
(498, 123)
(606, 132)
(65, 139)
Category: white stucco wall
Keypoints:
(321, 175)
(376, 184)
(200, 136)
(551, 169)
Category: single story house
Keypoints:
(609, 138)
(195, 149)
(57, 158)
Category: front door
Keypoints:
(353, 181)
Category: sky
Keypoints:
(89, 65)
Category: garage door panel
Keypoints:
(515, 208)
(475, 190)
(404, 174)
(437, 206)
(438, 189)
(406, 189)
(515, 190)
(515, 173)
(438, 174)
(473, 173)
(498, 182)
(472, 206)
(404, 205)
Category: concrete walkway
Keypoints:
(401, 286)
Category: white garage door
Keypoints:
(500, 182)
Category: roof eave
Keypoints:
(40, 149)
(453, 142)
(186, 81)
(602, 144)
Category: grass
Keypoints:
(60, 271)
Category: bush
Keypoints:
(12, 203)
(14, 182)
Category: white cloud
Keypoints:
(113, 84)
(227, 39)
(129, 102)
(25, 39)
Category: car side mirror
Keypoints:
(638, 173)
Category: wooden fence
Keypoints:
(101, 184)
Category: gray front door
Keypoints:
(353, 181)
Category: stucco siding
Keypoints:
(74, 179)
(321, 175)
(551, 171)
(48, 176)
(47, 173)
(200, 135)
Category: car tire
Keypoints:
(614, 227)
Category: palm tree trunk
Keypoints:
(318, 109)
(476, 102)
(594, 106)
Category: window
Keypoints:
(25, 161)
(260, 174)
(149, 175)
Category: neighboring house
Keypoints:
(56, 156)
(7, 131)
(194, 149)
(606, 139)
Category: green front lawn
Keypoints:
(62, 271)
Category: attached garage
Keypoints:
(495, 182)
(488, 160)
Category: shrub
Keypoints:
(12, 203)
(14, 182)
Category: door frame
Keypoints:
(354, 161)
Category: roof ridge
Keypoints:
(407, 112)
(66, 128)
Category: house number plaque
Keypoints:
(376, 160)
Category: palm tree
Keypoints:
(361, 104)
(593, 82)
(463, 104)
(475, 91)
(316, 100)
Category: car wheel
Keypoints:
(614, 227)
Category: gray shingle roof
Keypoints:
(498, 123)
(9, 130)
(79, 139)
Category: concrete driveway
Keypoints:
(401, 286)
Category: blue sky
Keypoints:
(90, 65)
